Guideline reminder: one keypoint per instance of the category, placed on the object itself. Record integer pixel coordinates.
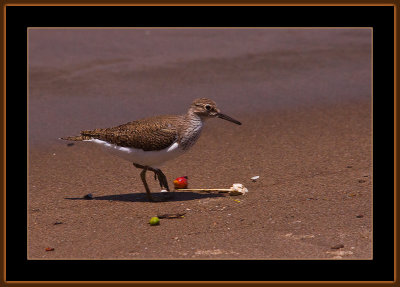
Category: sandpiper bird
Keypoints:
(150, 142)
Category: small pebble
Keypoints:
(70, 144)
(360, 216)
(361, 181)
(49, 249)
(57, 222)
(88, 196)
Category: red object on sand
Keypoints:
(181, 182)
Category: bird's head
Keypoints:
(206, 108)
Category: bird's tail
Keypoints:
(76, 138)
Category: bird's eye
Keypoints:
(208, 107)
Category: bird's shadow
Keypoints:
(142, 197)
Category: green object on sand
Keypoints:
(154, 221)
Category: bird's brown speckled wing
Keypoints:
(150, 134)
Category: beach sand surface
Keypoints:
(303, 96)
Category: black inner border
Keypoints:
(380, 18)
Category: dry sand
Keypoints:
(303, 97)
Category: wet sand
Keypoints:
(303, 97)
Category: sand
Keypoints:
(303, 97)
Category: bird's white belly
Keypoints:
(139, 156)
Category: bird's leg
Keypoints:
(158, 174)
(138, 165)
(149, 168)
(143, 177)
(163, 182)
(163, 178)
(156, 177)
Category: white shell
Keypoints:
(254, 178)
(238, 189)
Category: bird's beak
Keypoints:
(225, 117)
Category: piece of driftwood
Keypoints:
(171, 215)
